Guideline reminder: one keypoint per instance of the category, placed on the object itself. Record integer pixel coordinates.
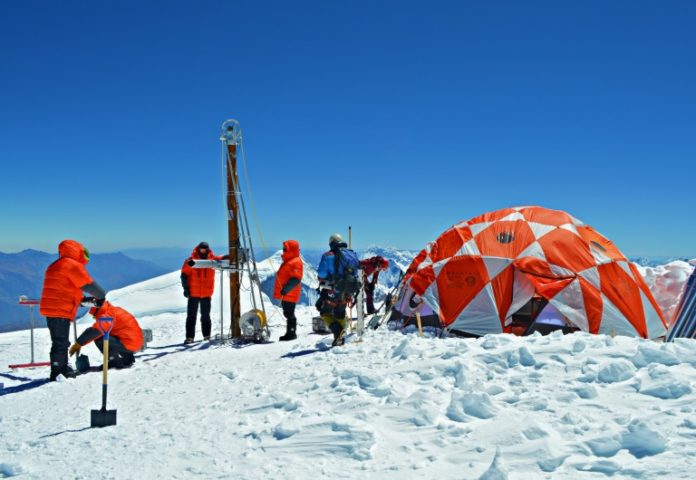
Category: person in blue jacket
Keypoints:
(332, 299)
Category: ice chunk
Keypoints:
(606, 467)
(579, 346)
(586, 392)
(641, 441)
(11, 469)
(496, 471)
(551, 464)
(605, 446)
(617, 371)
(659, 382)
(489, 342)
(477, 405)
(688, 423)
(638, 439)
(526, 357)
(649, 353)
(281, 432)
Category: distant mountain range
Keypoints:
(171, 258)
(656, 261)
(22, 274)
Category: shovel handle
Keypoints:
(100, 323)
(106, 368)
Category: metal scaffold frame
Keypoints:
(242, 258)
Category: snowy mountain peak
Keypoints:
(397, 257)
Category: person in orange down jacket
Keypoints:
(287, 286)
(65, 282)
(198, 284)
(125, 337)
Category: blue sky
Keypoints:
(398, 118)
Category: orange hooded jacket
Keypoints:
(291, 268)
(125, 328)
(64, 279)
(201, 281)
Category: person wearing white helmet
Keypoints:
(336, 238)
(337, 272)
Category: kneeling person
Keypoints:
(125, 337)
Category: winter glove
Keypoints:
(187, 293)
(74, 348)
(225, 257)
(191, 263)
(99, 302)
(87, 302)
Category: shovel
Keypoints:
(104, 417)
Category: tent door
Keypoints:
(523, 318)
(548, 320)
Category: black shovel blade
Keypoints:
(103, 418)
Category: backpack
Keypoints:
(346, 279)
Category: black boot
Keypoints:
(289, 331)
(67, 372)
(337, 331)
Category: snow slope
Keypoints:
(392, 406)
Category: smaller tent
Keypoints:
(684, 321)
(494, 273)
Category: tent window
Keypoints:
(505, 237)
(598, 246)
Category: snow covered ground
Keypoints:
(390, 406)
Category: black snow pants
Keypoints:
(290, 319)
(59, 328)
(119, 356)
(192, 313)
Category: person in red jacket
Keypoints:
(125, 337)
(199, 284)
(287, 286)
(372, 266)
(65, 282)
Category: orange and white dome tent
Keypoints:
(478, 273)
